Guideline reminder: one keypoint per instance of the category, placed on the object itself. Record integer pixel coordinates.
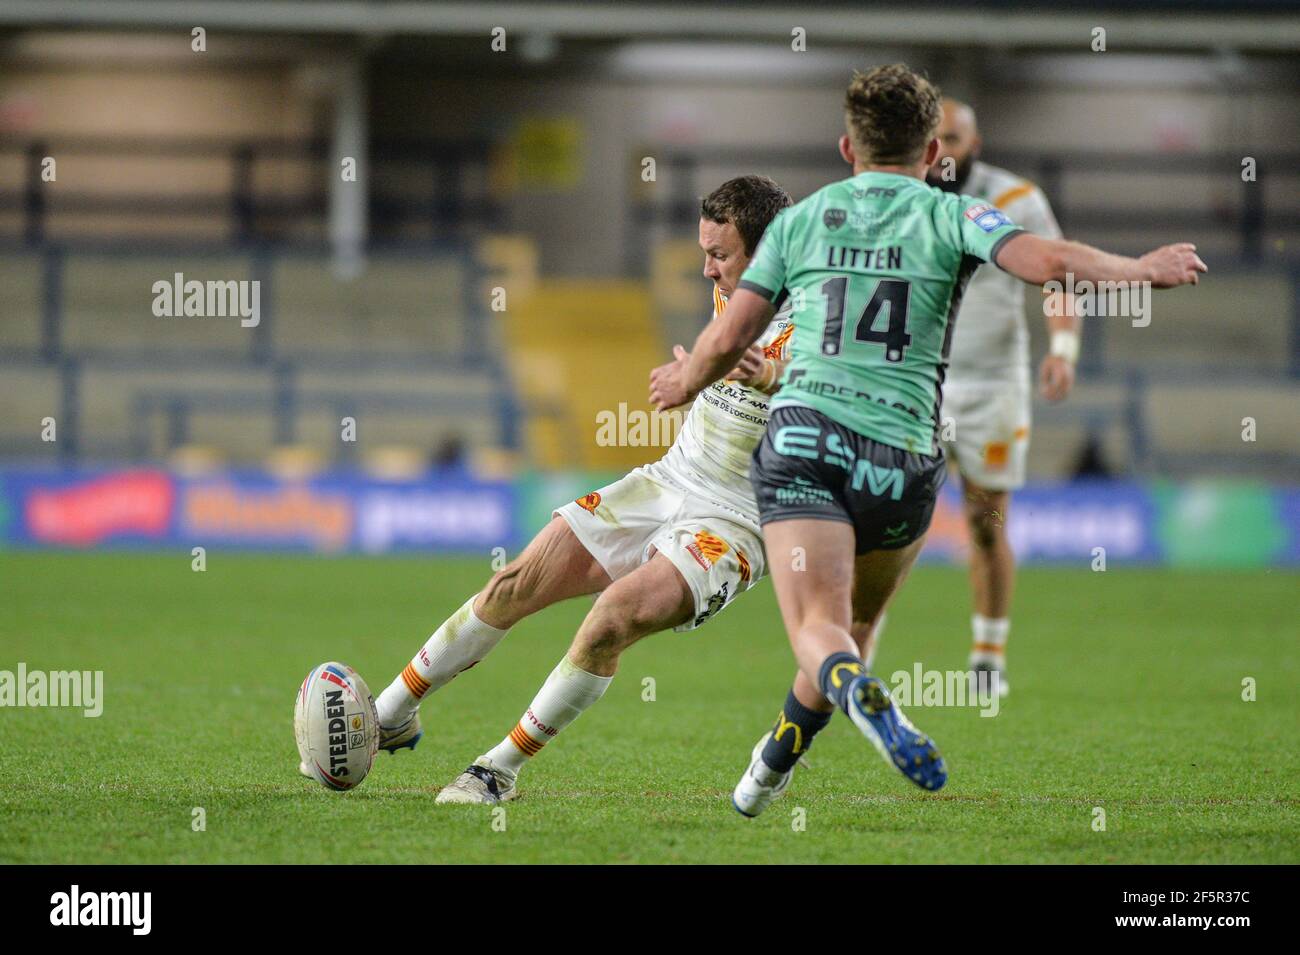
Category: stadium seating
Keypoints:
(400, 349)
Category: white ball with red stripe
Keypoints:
(335, 724)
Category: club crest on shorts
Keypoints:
(707, 548)
(995, 455)
(589, 502)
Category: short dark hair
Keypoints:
(750, 203)
(891, 113)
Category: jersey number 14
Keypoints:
(889, 292)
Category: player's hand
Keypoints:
(751, 369)
(1055, 377)
(667, 388)
(1172, 265)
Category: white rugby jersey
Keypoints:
(726, 421)
(990, 341)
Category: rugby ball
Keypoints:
(336, 726)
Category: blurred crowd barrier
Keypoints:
(1093, 523)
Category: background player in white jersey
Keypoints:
(986, 395)
(670, 544)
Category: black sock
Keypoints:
(793, 734)
(837, 672)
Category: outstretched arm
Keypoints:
(1037, 260)
(717, 350)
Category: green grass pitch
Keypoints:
(1127, 695)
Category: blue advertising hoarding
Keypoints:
(1193, 524)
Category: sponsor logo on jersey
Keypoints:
(878, 224)
(589, 502)
(992, 220)
(834, 218)
(799, 380)
(987, 217)
(875, 192)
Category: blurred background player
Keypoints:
(986, 394)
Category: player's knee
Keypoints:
(603, 636)
(986, 533)
(987, 524)
(617, 620)
(505, 592)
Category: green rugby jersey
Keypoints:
(874, 266)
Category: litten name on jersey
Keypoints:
(845, 257)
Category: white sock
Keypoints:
(990, 639)
(461, 641)
(566, 693)
(869, 660)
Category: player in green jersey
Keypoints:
(848, 470)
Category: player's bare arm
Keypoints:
(1037, 260)
(718, 348)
